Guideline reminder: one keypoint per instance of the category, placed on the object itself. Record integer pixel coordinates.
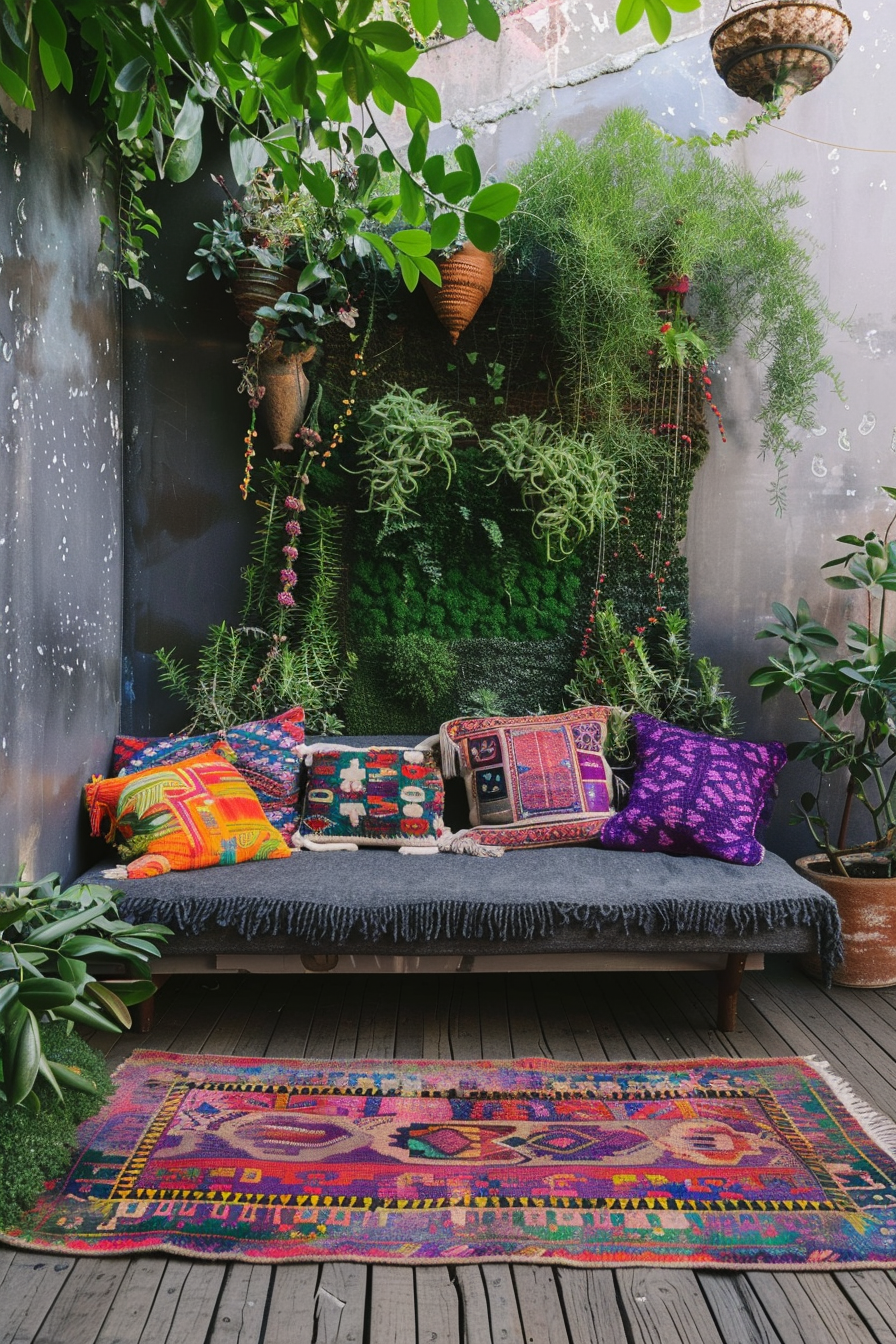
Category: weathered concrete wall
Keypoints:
(741, 556)
(60, 493)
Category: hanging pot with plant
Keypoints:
(258, 286)
(467, 277)
(780, 48)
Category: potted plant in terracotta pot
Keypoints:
(848, 695)
(274, 248)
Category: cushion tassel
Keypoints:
(461, 843)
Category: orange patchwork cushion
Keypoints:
(194, 814)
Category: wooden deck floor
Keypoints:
(156, 1300)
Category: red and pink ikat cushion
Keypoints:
(532, 781)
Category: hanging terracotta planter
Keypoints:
(467, 277)
(258, 286)
(780, 48)
(286, 390)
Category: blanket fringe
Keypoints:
(878, 1127)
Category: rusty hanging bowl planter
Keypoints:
(467, 277)
(780, 48)
(258, 286)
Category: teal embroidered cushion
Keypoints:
(390, 796)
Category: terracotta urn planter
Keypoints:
(286, 390)
(258, 286)
(467, 277)
(774, 50)
(867, 908)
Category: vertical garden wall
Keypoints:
(60, 490)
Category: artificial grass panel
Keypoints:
(37, 1148)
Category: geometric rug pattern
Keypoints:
(767, 1163)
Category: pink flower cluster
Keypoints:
(293, 528)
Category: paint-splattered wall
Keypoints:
(60, 492)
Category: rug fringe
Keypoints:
(878, 1127)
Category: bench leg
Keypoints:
(729, 986)
(146, 1011)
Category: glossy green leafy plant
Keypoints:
(46, 936)
(850, 702)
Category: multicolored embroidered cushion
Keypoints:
(372, 796)
(541, 780)
(195, 814)
(695, 794)
(266, 753)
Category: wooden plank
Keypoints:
(824, 1310)
(295, 1017)
(588, 1043)
(786, 1306)
(266, 1016)
(613, 1043)
(225, 1037)
(340, 1304)
(196, 1305)
(494, 1027)
(477, 1327)
(379, 1013)
(291, 1309)
(413, 990)
(661, 1305)
(502, 1305)
(7, 1260)
(557, 1033)
(30, 1287)
(216, 998)
(438, 1306)
(873, 1294)
(541, 1311)
(463, 1018)
(392, 1311)
(133, 1302)
(346, 1038)
(436, 1040)
(164, 1304)
(326, 1018)
(737, 1310)
(240, 1314)
(625, 999)
(525, 1026)
(589, 1301)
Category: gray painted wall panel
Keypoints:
(60, 493)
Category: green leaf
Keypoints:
(384, 101)
(357, 73)
(48, 64)
(412, 242)
(189, 118)
(659, 18)
(50, 23)
(314, 27)
(683, 6)
(381, 246)
(629, 13)
(135, 991)
(425, 16)
(390, 36)
(182, 159)
(283, 42)
(467, 161)
(334, 52)
(60, 928)
(46, 992)
(841, 581)
(87, 1017)
(433, 172)
(486, 19)
(430, 270)
(396, 83)
(453, 18)
(426, 99)
(246, 155)
(132, 76)
(413, 202)
(455, 187)
(79, 1082)
(250, 104)
(108, 999)
(170, 37)
(205, 33)
(410, 272)
(496, 201)
(445, 229)
(25, 1061)
(482, 232)
(16, 88)
(320, 184)
(416, 150)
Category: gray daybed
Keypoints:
(570, 907)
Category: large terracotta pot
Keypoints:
(258, 286)
(867, 908)
(286, 390)
(777, 49)
(467, 277)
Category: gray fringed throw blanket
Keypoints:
(376, 900)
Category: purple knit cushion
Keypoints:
(695, 794)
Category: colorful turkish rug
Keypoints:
(719, 1163)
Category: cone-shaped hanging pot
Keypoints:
(285, 393)
(467, 277)
(780, 48)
